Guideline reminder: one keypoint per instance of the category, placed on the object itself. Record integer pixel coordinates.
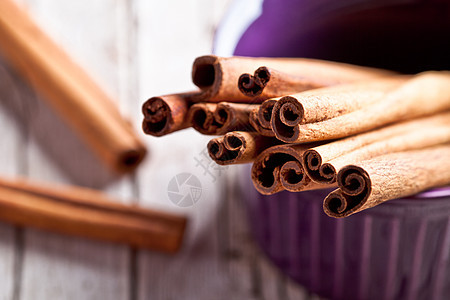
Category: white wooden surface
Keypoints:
(134, 49)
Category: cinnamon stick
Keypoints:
(87, 213)
(279, 167)
(290, 112)
(388, 177)
(68, 90)
(260, 118)
(166, 114)
(238, 147)
(220, 118)
(323, 162)
(425, 94)
(218, 77)
(268, 83)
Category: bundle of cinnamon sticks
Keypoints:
(307, 124)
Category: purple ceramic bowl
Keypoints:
(397, 250)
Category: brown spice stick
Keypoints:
(260, 118)
(425, 94)
(279, 167)
(166, 114)
(290, 112)
(220, 118)
(268, 83)
(88, 213)
(217, 77)
(388, 177)
(238, 147)
(323, 162)
(68, 90)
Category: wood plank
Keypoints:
(11, 163)
(55, 266)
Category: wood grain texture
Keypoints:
(97, 270)
(10, 156)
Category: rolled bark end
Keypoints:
(335, 204)
(233, 141)
(249, 85)
(265, 113)
(318, 172)
(156, 117)
(328, 173)
(222, 114)
(266, 170)
(204, 71)
(201, 118)
(207, 75)
(165, 114)
(290, 114)
(287, 114)
(292, 176)
(312, 160)
(255, 123)
(263, 75)
(228, 149)
(216, 148)
(226, 118)
(129, 160)
(353, 180)
(354, 190)
(253, 85)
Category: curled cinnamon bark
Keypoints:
(290, 112)
(323, 162)
(268, 83)
(238, 147)
(260, 118)
(388, 177)
(424, 94)
(166, 114)
(278, 168)
(218, 77)
(220, 118)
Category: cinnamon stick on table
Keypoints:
(424, 94)
(238, 147)
(218, 77)
(88, 213)
(68, 89)
(371, 182)
(220, 118)
(166, 114)
(289, 112)
(323, 162)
